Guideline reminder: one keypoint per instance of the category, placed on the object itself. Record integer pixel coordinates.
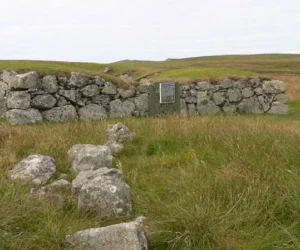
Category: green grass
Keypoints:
(212, 182)
(200, 73)
(241, 65)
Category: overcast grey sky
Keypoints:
(112, 30)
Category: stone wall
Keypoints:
(29, 97)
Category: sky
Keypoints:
(106, 31)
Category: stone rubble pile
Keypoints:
(29, 98)
(101, 191)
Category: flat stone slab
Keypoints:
(123, 236)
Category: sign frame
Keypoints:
(163, 85)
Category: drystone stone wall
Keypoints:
(30, 97)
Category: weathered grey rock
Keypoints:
(125, 236)
(219, 98)
(28, 80)
(144, 87)
(265, 102)
(183, 107)
(109, 89)
(62, 102)
(120, 109)
(114, 146)
(3, 92)
(202, 98)
(90, 90)
(258, 91)
(3, 107)
(103, 100)
(61, 114)
(78, 80)
(8, 75)
(204, 86)
(89, 157)
(184, 94)
(18, 100)
(250, 105)
(141, 103)
(49, 84)
(229, 108)
(241, 84)
(70, 95)
(247, 92)
(62, 81)
(209, 108)
(19, 116)
(191, 99)
(37, 169)
(119, 133)
(103, 192)
(47, 194)
(43, 102)
(92, 112)
(234, 95)
(278, 108)
(107, 69)
(193, 92)
(99, 81)
(127, 93)
(255, 82)
(192, 109)
(60, 184)
(185, 87)
(226, 84)
(273, 87)
(282, 98)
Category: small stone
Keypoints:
(119, 133)
(90, 90)
(92, 112)
(49, 84)
(109, 89)
(43, 102)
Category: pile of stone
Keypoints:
(100, 190)
(30, 98)
(254, 96)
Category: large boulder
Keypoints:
(92, 112)
(120, 236)
(37, 169)
(61, 114)
(3, 92)
(234, 95)
(109, 89)
(26, 81)
(19, 116)
(7, 76)
(202, 98)
(18, 100)
(43, 102)
(127, 93)
(90, 90)
(89, 157)
(102, 192)
(70, 95)
(119, 133)
(250, 105)
(49, 84)
(204, 86)
(226, 83)
(273, 87)
(247, 92)
(279, 108)
(141, 103)
(209, 108)
(120, 109)
(219, 98)
(78, 80)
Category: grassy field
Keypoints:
(203, 182)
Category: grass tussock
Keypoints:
(223, 182)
